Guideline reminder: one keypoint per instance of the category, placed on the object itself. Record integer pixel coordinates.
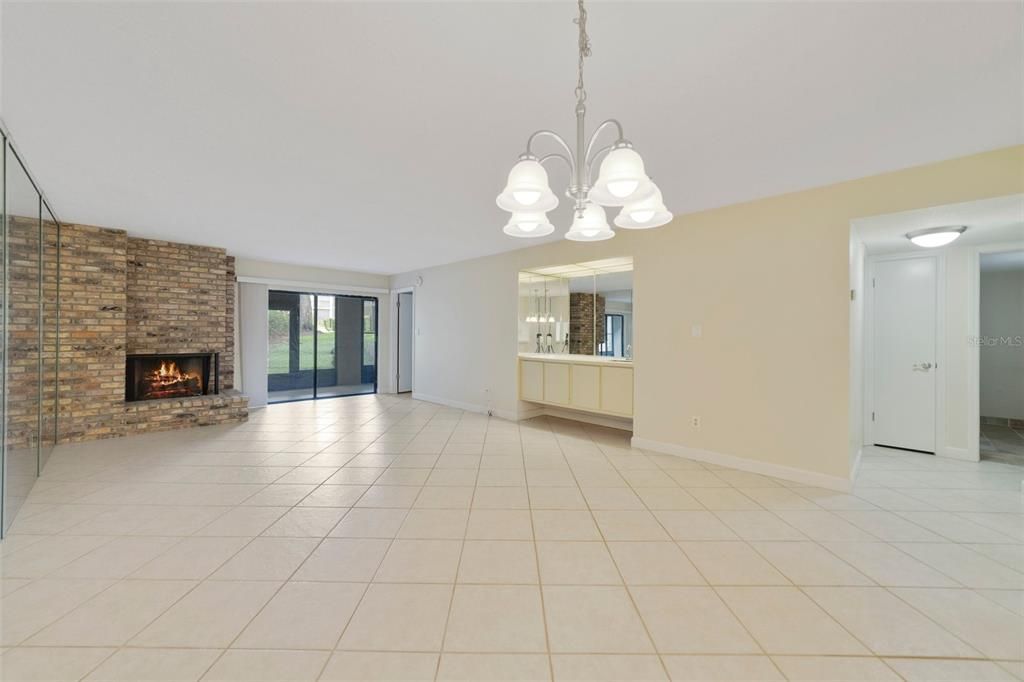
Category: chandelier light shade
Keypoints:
(527, 224)
(590, 226)
(644, 214)
(622, 180)
(527, 189)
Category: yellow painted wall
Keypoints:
(767, 280)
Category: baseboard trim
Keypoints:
(855, 465)
(811, 478)
(529, 413)
(468, 407)
(956, 453)
(521, 415)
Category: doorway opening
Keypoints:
(320, 346)
(917, 334)
(1000, 345)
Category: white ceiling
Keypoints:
(988, 221)
(375, 136)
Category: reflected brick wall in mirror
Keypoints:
(584, 309)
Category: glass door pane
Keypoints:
(370, 344)
(612, 344)
(347, 373)
(291, 346)
(3, 335)
(23, 358)
(50, 324)
(327, 346)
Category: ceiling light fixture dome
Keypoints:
(622, 180)
(936, 236)
(590, 225)
(644, 214)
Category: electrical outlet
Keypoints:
(696, 331)
(695, 422)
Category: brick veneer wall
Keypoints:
(178, 301)
(24, 320)
(119, 295)
(586, 319)
(50, 313)
(93, 263)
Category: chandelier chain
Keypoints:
(584, 49)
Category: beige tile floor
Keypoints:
(379, 537)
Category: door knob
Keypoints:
(924, 366)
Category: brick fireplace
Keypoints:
(125, 299)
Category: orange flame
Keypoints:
(169, 374)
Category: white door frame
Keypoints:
(393, 345)
(940, 344)
(973, 348)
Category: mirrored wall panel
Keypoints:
(578, 309)
(29, 329)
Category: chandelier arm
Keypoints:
(597, 131)
(592, 161)
(557, 138)
(563, 157)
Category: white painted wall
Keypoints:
(955, 416)
(247, 268)
(251, 358)
(1, 59)
(1001, 364)
(769, 283)
(859, 294)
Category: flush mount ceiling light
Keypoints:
(936, 236)
(621, 181)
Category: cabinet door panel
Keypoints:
(586, 387)
(531, 380)
(556, 383)
(617, 390)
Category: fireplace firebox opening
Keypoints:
(171, 375)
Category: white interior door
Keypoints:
(905, 309)
(404, 342)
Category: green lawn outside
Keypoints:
(277, 354)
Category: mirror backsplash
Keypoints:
(578, 309)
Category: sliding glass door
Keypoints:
(320, 346)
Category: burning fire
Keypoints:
(168, 374)
(165, 378)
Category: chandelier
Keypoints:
(622, 180)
